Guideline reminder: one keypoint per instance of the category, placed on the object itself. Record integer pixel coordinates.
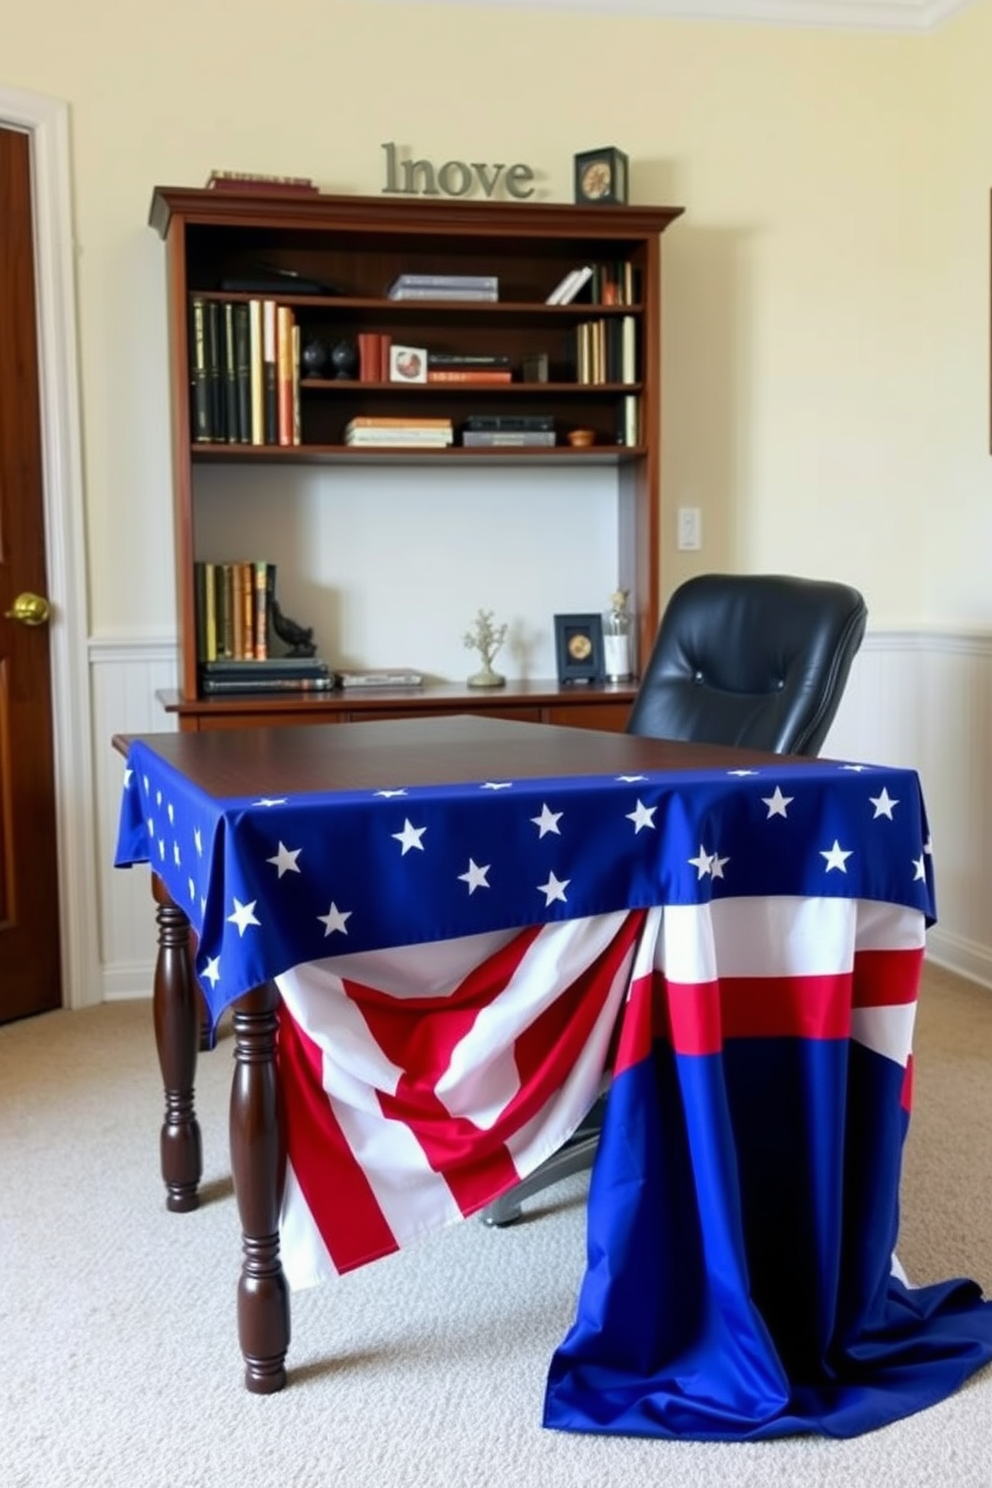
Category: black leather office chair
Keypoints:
(756, 660)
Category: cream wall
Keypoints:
(826, 293)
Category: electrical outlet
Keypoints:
(690, 536)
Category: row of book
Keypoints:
(483, 287)
(483, 431)
(385, 433)
(234, 606)
(606, 350)
(244, 372)
(598, 284)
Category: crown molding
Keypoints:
(914, 17)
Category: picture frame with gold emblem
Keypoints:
(579, 648)
(601, 177)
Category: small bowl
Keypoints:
(581, 438)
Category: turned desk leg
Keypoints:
(258, 1160)
(176, 1011)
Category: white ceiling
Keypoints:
(858, 15)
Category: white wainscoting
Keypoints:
(918, 699)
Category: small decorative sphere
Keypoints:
(344, 359)
(313, 358)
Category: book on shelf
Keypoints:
(397, 438)
(512, 421)
(270, 396)
(285, 321)
(460, 359)
(442, 292)
(444, 287)
(377, 421)
(230, 373)
(252, 181)
(570, 286)
(223, 686)
(508, 438)
(478, 373)
(200, 412)
(255, 371)
(380, 677)
(275, 668)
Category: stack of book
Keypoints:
(281, 674)
(456, 366)
(444, 287)
(394, 433)
(508, 431)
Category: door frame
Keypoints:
(46, 122)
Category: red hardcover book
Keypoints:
(471, 374)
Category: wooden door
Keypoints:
(30, 976)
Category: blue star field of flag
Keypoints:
(270, 883)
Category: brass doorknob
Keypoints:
(30, 609)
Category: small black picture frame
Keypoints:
(579, 648)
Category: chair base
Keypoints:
(574, 1157)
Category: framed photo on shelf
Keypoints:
(407, 364)
(579, 648)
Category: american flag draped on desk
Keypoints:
(461, 967)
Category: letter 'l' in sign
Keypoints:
(454, 178)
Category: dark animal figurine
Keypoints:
(297, 638)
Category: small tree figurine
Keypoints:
(486, 638)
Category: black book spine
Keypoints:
(230, 374)
(242, 373)
(214, 379)
(200, 412)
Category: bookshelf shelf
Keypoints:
(228, 253)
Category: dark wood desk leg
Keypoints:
(258, 1159)
(176, 1011)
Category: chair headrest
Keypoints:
(757, 660)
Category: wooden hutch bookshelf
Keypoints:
(357, 246)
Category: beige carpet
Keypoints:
(427, 1370)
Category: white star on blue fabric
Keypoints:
(243, 916)
(198, 842)
(702, 863)
(191, 885)
(497, 785)
(642, 816)
(335, 920)
(271, 801)
(547, 821)
(285, 860)
(742, 773)
(631, 779)
(388, 794)
(410, 837)
(475, 876)
(717, 865)
(883, 804)
(172, 814)
(554, 889)
(919, 869)
(212, 971)
(836, 857)
(175, 855)
(128, 773)
(777, 803)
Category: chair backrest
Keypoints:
(757, 660)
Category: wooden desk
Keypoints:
(236, 779)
